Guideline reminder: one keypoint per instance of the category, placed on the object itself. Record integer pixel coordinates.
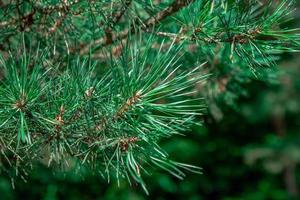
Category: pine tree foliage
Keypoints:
(112, 122)
(97, 84)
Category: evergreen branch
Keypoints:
(173, 8)
(78, 116)
(115, 19)
(151, 21)
(110, 116)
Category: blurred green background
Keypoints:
(252, 152)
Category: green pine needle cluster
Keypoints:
(97, 84)
(110, 123)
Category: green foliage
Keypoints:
(110, 123)
(119, 76)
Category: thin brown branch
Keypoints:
(121, 112)
(115, 19)
(176, 6)
(115, 52)
(129, 103)
(146, 25)
(118, 15)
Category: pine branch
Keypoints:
(150, 22)
(109, 117)
(115, 19)
(79, 116)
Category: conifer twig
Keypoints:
(150, 22)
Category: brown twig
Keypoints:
(124, 143)
(146, 25)
(125, 107)
(115, 19)
(173, 8)
(121, 112)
